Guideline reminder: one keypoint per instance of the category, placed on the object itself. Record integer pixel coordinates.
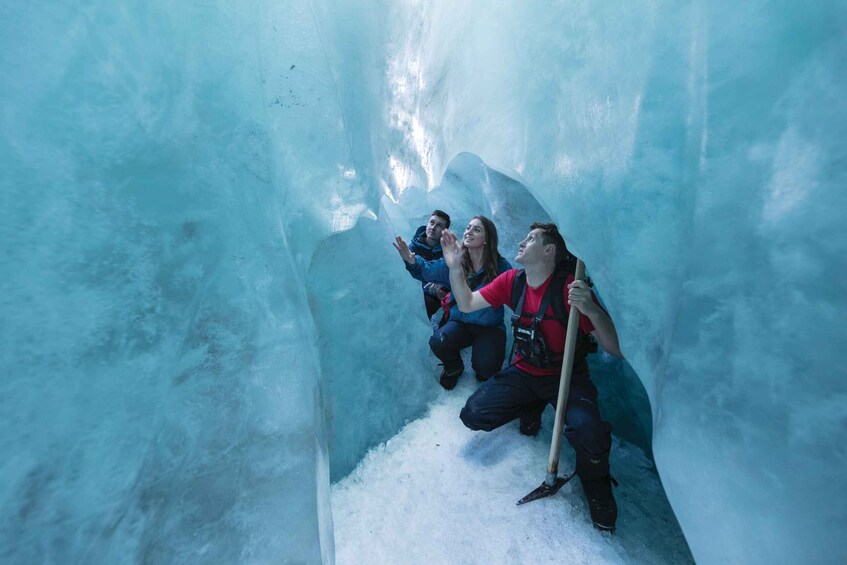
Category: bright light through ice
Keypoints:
(423, 147)
(564, 166)
(400, 173)
(795, 173)
(347, 173)
(343, 216)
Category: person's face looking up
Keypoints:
(474, 234)
(531, 249)
(434, 228)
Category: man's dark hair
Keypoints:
(442, 214)
(550, 234)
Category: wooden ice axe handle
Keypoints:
(564, 383)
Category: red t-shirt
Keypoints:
(499, 292)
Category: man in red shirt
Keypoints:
(523, 389)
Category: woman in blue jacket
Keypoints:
(483, 330)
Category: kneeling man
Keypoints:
(523, 389)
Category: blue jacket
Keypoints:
(419, 247)
(438, 272)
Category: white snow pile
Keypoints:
(440, 493)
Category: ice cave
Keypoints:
(211, 353)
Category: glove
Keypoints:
(435, 290)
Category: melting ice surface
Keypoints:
(171, 174)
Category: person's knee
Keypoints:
(473, 419)
(438, 342)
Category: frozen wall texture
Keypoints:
(170, 174)
(159, 399)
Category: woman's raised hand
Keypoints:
(452, 249)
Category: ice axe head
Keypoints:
(547, 488)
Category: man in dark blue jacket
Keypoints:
(426, 244)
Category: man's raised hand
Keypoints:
(403, 249)
(452, 249)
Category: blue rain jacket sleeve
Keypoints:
(438, 272)
(422, 251)
(430, 271)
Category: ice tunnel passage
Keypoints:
(168, 170)
(378, 375)
(376, 370)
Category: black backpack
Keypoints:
(553, 296)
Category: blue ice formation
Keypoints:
(170, 174)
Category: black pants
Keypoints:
(489, 347)
(432, 304)
(512, 393)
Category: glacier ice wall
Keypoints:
(160, 399)
(169, 173)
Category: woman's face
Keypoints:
(474, 234)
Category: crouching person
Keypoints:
(426, 244)
(479, 262)
(540, 296)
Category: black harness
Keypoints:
(528, 339)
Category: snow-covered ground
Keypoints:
(440, 493)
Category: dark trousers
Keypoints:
(433, 305)
(512, 393)
(489, 347)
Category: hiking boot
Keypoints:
(447, 380)
(530, 424)
(530, 417)
(481, 379)
(601, 502)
